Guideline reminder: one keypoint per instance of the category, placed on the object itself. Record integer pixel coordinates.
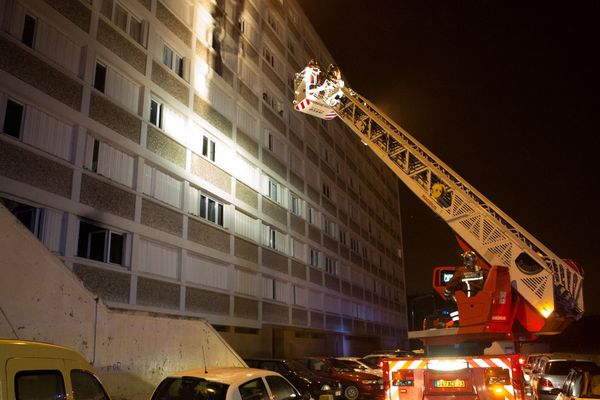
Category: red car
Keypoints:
(355, 385)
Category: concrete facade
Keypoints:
(151, 146)
(132, 351)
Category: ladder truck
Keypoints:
(528, 291)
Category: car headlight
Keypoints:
(325, 388)
(370, 382)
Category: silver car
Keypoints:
(550, 373)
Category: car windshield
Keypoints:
(190, 388)
(351, 364)
(341, 365)
(298, 366)
(564, 367)
(372, 362)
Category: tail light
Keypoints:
(545, 383)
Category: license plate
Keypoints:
(338, 393)
(457, 383)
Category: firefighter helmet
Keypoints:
(469, 259)
(333, 72)
(313, 63)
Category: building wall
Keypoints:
(132, 351)
(154, 147)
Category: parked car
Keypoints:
(359, 365)
(580, 384)
(550, 373)
(530, 363)
(306, 381)
(226, 384)
(355, 385)
(36, 370)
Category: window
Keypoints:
(123, 19)
(273, 189)
(330, 266)
(32, 385)
(13, 118)
(365, 252)
(211, 210)
(254, 390)
(273, 23)
(189, 388)
(343, 237)
(272, 239)
(273, 102)
(312, 215)
(269, 57)
(354, 245)
(295, 205)
(313, 257)
(208, 148)
(86, 386)
(281, 389)
(291, 47)
(326, 190)
(100, 77)
(100, 244)
(173, 60)
(329, 226)
(156, 113)
(28, 30)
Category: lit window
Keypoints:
(273, 189)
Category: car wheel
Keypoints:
(351, 392)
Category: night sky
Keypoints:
(505, 93)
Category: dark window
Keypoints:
(208, 148)
(95, 153)
(29, 216)
(100, 78)
(100, 244)
(190, 388)
(35, 385)
(156, 113)
(13, 118)
(86, 386)
(281, 389)
(254, 390)
(211, 210)
(28, 30)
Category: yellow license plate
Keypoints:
(456, 383)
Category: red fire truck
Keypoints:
(528, 290)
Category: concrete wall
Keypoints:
(40, 299)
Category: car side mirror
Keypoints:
(556, 391)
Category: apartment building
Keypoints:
(151, 145)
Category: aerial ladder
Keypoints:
(526, 281)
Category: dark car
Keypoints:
(306, 381)
(355, 385)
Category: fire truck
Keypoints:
(528, 290)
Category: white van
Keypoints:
(34, 370)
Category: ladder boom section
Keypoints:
(546, 281)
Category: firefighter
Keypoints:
(333, 73)
(312, 73)
(469, 278)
